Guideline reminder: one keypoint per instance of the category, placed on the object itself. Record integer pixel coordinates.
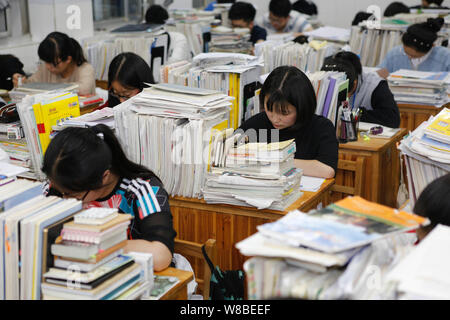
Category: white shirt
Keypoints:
(179, 48)
(297, 23)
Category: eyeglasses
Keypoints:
(119, 96)
(71, 195)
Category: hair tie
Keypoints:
(101, 136)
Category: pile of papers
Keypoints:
(168, 129)
(262, 175)
(306, 57)
(320, 241)
(88, 255)
(330, 33)
(224, 39)
(31, 88)
(19, 154)
(427, 153)
(103, 116)
(418, 87)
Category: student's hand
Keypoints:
(15, 79)
(384, 73)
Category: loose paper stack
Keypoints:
(224, 39)
(88, 258)
(427, 153)
(419, 87)
(253, 174)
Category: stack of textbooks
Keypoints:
(419, 87)
(427, 153)
(168, 129)
(303, 255)
(31, 88)
(261, 175)
(88, 258)
(224, 39)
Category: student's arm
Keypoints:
(384, 73)
(162, 256)
(385, 110)
(86, 79)
(315, 168)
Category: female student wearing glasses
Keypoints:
(90, 165)
(63, 62)
(289, 111)
(127, 76)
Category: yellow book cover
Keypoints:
(56, 110)
(237, 100)
(441, 124)
(232, 94)
(39, 122)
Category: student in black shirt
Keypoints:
(289, 113)
(241, 15)
(367, 91)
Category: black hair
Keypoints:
(58, 45)
(436, 2)
(288, 85)
(156, 14)
(280, 8)
(395, 8)
(360, 17)
(226, 1)
(77, 158)
(332, 63)
(131, 71)
(242, 10)
(301, 39)
(421, 36)
(9, 65)
(306, 7)
(351, 58)
(434, 202)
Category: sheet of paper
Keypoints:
(311, 184)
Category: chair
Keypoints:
(357, 167)
(191, 250)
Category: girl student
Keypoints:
(89, 164)
(367, 90)
(289, 108)
(418, 50)
(64, 62)
(127, 75)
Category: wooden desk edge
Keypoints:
(184, 276)
(365, 146)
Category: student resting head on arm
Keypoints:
(64, 62)
(418, 50)
(241, 15)
(282, 19)
(127, 76)
(89, 164)
(289, 113)
(367, 90)
(434, 204)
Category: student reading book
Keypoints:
(64, 62)
(418, 51)
(127, 76)
(289, 112)
(433, 203)
(89, 164)
(242, 15)
(367, 90)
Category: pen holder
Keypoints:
(347, 130)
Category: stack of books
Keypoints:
(260, 174)
(427, 153)
(103, 116)
(418, 87)
(31, 88)
(168, 129)
(88, 258)
(303, 255)
(224, 39)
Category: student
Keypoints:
(241, 15)
(127, 76)
(434, 204)
(289, 110)
(9, 65)
(430, 4)
(360, 17)
(418, 51)
(306, 7)
(178, 43)
(367, 90)
(89, 164)
(282, 19)
(64, 62)
(395, 8)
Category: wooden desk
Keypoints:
(381, 177)
(412, 115)
(195, 220)
(179, 292)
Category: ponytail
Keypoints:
(77, 158)
(58, 45)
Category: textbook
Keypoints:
(349, 223)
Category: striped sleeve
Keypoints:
(145, 194)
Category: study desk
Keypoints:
(197, 221)
(412, 115)
(179, 292)
(381, 174)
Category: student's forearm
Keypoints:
(315, 168)
(161, 254)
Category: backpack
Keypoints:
(225, 285)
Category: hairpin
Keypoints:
(101, 136)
